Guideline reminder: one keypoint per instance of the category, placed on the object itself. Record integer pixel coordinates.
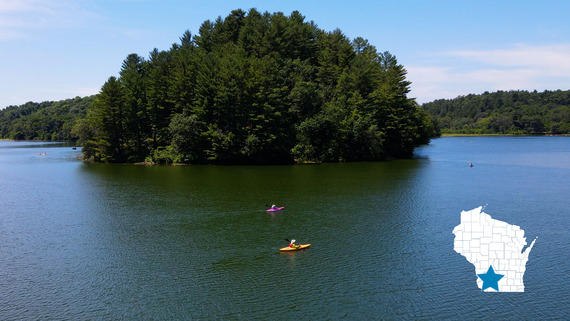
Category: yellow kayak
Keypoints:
(301, 246)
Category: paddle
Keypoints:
(296, 245)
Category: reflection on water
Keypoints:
(100, 241)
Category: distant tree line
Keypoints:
(49, 120)
(503, 112)
(256, 88)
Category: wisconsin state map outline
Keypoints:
(495, 248)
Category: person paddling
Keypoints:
(292, 244)
(273, 206)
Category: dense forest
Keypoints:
(255, 88)
(503, 112)
(44, 121)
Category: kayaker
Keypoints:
(273, 207)
(292, 244)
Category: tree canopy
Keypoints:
(256, 88)
(503, 112)
(49, 120)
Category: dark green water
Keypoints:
(94, 241)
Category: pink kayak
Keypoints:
(275, 209)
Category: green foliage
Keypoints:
(134, 90)
(43, 121)
(512, 112)
(255, 88)
(164, 156)
(109, 118)
(188, 138)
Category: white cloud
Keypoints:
(554, 59)
(522, 67)
(19, 17)
(16, 5)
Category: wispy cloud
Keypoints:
(19, 17)
(554, 59)
(17, 5)
(521, 67)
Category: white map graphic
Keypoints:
(486, 242)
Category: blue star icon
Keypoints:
(490, 279)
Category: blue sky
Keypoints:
(58, 49)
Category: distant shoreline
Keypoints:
(473, 135)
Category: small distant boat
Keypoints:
(300, 247)
(276, 209)
(74, 147)
(470, 164)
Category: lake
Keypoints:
(84, 241)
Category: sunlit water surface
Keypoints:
(82, 241)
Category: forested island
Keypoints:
(503, 112)
(253, 88)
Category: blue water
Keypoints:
(83, 241)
